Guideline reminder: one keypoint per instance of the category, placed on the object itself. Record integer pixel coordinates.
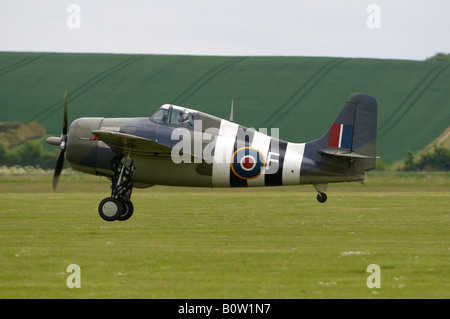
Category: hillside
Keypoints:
(15, 133)
(441, 141)
(300, 95)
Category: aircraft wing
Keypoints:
(132, 145)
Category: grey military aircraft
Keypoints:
(179, 146)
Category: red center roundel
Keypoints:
(248, 162)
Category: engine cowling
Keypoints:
(85, 152)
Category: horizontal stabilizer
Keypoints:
(341, 153)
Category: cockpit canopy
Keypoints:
(175, 115)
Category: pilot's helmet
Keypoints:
(183, 115)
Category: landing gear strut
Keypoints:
(321, 189)
(119, 205)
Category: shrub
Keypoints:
(438, 160)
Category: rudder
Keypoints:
(365, 131)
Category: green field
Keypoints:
(203, 243)
(300, 95)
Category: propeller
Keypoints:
(61, 142)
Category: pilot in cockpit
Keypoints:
(183, 119)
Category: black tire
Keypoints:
(321, 197)
(110, 209)
(127, 210)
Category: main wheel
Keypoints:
(321, 197)
(127, 210)
(110, 209)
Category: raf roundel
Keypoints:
(247, 163)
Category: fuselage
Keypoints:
(207, 152)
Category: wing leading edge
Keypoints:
(132, 145)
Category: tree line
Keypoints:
(437, 160)
(30, 154)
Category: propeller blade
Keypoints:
(62, 145)
(59, 166)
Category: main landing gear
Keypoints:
(321, 189)
(119, 205)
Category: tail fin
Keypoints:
(354, 133)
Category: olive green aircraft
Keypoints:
(179, 146)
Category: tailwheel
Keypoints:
(119, 205)
(321, 197)
(321, 189)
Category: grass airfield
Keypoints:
(227, 243)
